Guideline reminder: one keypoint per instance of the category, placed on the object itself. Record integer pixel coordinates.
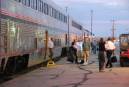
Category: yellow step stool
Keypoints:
(50, 63)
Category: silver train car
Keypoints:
(26, 25)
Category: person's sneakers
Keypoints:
(110, 66)
(101, 71)
(79, 61)
(85, 63)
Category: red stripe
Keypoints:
(17, 53)
(19, 16)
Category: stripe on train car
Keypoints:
(19, 16)
(16, 53)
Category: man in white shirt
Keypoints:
(110, 47)
(50, 47)
(79, 50)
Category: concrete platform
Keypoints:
(65, 74)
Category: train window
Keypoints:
(60, 42)
(23, 2)
(36, 44)
(49, 7)
(48, 10)
(18, 0)
(45, 8)
(57, 17)
(54, 13)
(27, 2)
(51, 11)
(32, 4)
(42, 6)
(65, 19)
(61, 17)
(39, 6)
(55, 42)
(35, 4)
(66, 39)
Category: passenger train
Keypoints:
(26, 25)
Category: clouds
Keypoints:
(104, 12)
(113, 3)
(123, 22)
(109, 2)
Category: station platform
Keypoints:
(65, 74)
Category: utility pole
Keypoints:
(91, 23)
(113, 29)
(68, 38)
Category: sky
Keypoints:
(104, 11)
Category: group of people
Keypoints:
(80, 51)
(105, 47)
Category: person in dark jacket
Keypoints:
(101, 55)
(72, 53)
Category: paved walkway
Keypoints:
(73, 75)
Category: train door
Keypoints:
(38, 54)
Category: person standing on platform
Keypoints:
(94, 46)
(110, 47)
(50, 47)
(86, 49)
(72, 54)
(101, 55)
(75, 51)
(79, 50)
